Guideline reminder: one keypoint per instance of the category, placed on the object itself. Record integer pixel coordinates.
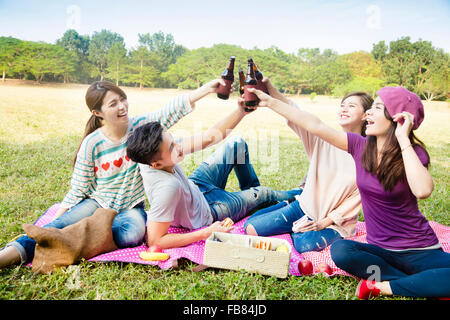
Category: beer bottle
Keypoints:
(259, 76)
(228, 76)
(241, 82)
(250, 82)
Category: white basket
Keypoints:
(235, 251)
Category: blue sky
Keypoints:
(342, 25)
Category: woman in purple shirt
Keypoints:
(403, 255)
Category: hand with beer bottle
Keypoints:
(267, 99)
(242, 107)
(264, 100)
(210, 87)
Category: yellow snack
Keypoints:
(227, 223)
(283, 248)
(154, 256)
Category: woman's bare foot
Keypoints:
(385, 288)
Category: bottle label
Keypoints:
(225, 90)
(248, 96)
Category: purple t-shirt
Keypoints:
(393, 219)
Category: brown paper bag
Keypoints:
(62, 247)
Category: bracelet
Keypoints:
(409, 145)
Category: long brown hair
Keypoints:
(366, 101)
(391, 168)
(94, 101)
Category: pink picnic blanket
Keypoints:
(194, 252)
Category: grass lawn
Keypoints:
(40, 131)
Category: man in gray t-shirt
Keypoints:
(200, 200)
(174, 198)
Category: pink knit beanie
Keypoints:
(399, 99)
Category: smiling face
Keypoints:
(169, 154)
(377, 122)
(114, 110)
(351, 114)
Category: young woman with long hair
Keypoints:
(403, 255)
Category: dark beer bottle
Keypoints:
(259, 76)
(251, 99)
(241, 82)
(228, 76)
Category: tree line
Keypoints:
(159, 62)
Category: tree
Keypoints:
(141, 69)
(308, 55)
(164, 49)
(100, 44)
(299, 77)
(319, 71)
(379, 51)
(79, 46)
(368, 84)
(10, 49)
(66, 63)
(417, 66)
(40, 60)
(273, 63)
(115, 57)
(362, 64)
(74, 42)
(433, 82)
(199, 66)
(327, 70)
(164, 46)
(43, 58)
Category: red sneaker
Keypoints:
(366, 289)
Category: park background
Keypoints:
(314, 52)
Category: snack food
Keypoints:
(265, 245)
(227, 223)
(282, 248)
(153, 256)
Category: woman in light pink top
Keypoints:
(328, 207)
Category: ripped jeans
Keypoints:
(212, 175)
(278, 219)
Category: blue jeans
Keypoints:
(212, 175)
(278, 219)
(411, 273)
(128, 227)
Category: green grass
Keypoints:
(37, 144)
